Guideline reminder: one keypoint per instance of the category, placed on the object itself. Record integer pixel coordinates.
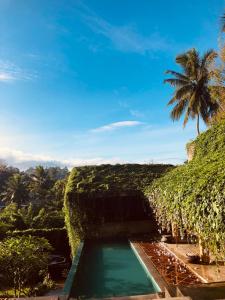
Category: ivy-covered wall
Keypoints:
(96, 195)
(192, 196)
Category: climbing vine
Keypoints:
(192, 196)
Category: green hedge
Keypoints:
(72, 232)
(210, 142)
(193, 195)
(106, 193)
(57, 237)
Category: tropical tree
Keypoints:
(192, 87)
(15, 190)
(31, 217)
(57, 195)
(5, 173)
(41, 177)
(9, 218)
(40, 186)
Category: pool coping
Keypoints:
(147, 271)
(73, 269)
(134, 297)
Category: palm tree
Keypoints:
(40, 186)
(192, 87)
(15, 190)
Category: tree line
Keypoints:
(30, 201)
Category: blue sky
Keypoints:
(81, 82)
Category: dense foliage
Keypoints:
(192, 196)
(31, 213)
(23, 263)
(57, 238)
(32, 199)
(108, 193)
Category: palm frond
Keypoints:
(193, 63)
(189, 61)
(178, 109)
(208, 58)
(184, 91)
(177, 75)
(175, 82)
(194, 104)
(172, 101)
(194, 56)
(186, 117)
(182, 60)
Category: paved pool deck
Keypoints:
(212, 289)
(207, 273)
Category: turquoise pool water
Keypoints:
(111, 269)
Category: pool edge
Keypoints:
(73, 269)
(150, 269)
(156, 286)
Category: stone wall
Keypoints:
(190, 151)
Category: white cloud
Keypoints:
(116, 125)
(124, 38)
(22, 159)
(25, 160)
(6, 76)
(10, 72)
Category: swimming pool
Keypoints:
(109, 268)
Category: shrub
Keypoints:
(57, 237)
(23, 263)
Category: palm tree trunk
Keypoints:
(198, 124)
